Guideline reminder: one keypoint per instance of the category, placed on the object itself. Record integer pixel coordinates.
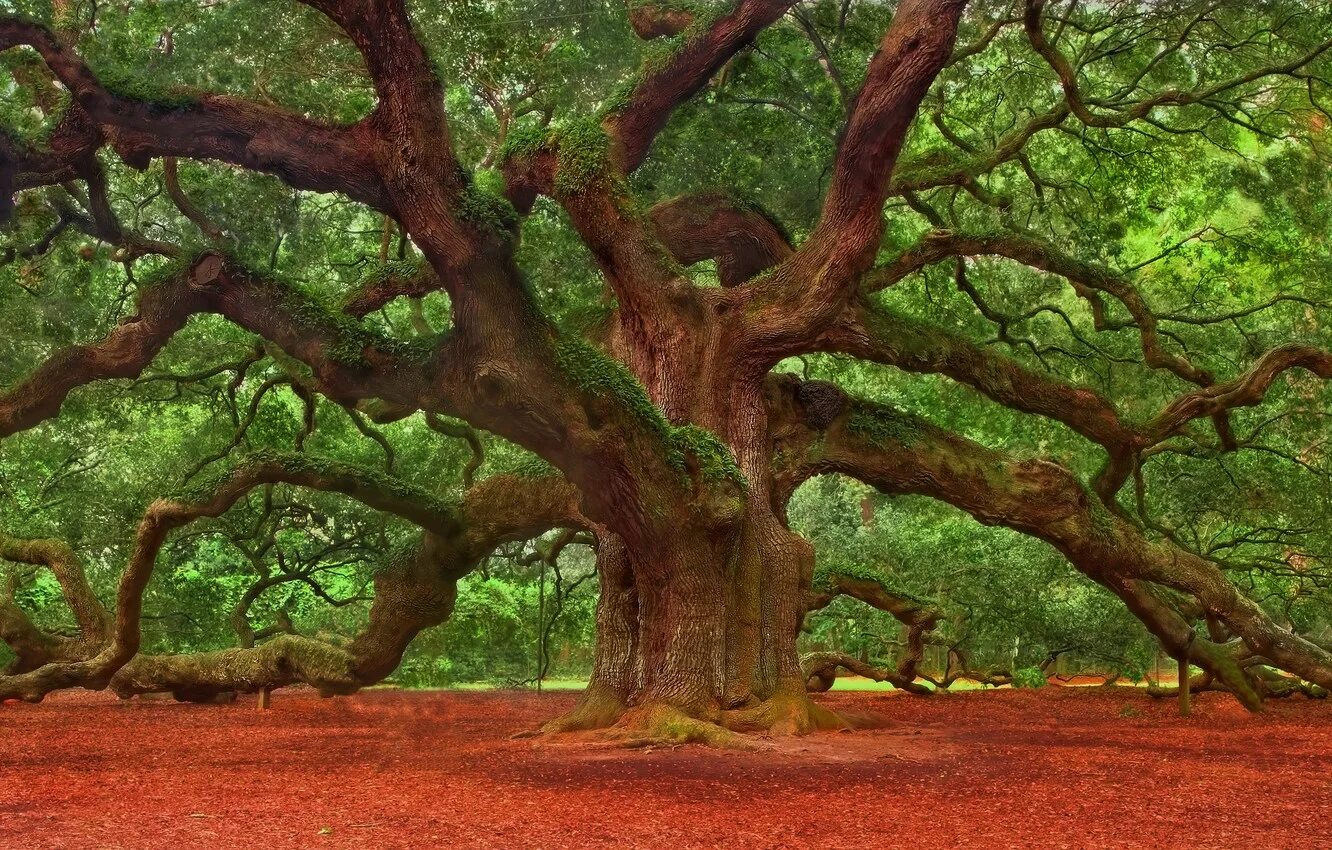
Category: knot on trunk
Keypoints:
(820, 403)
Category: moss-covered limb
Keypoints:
(1041, 499)
(199, 677)
(90, 615)
(1088, 280)
(651, 19)
(820, 669)
(872, 333)
(869, 586)
(32, 648)
(368, 486)
(145, 124)
(383, 282)
(881, 336)
(1247, 390)
(416, 589)
(505, 508)
(685, 448)
(804, 296)
(671, 75)
(1266, 682)
(582, 157)
(121, 644)
(348, 360)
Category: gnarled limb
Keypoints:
(347, 359)
(662, 86)
(1123, 114)
(808, 291)
(717, 225)
(414, 591)
(900, 453)
(304, 153)
(91, 617)
(918, 617)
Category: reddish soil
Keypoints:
(1058, 767)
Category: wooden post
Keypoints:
(1184, 679)
(541, 627)
(264, 698)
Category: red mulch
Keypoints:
(1050, 768)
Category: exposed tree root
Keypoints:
(598, 708)
(785, 714)
(658, 724)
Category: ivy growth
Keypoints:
(583, 156)
(600, 375)
(881, 426)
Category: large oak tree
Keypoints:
(670, 421)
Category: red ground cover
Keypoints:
(1073, 767)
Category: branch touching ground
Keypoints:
(415, 589)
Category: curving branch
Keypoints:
(413, 591)
(1088, 280)
(349, 361)
(1247, 390)
(741, 237)
(1125, 113)
(32, 647)
(882, 336)
(304, 153)
(663, 85)
(807, 292)
(900, 453)
(918, 617)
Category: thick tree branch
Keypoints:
(918, 617)
(304, 153)
(1247, 390)
(899, 453)
(663, 85)
(879, 335)
(349, 361)
(742, 238)
(415, 591)
(807, 292)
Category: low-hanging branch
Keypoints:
(901, 453)
(413, 590)
(868, 586)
